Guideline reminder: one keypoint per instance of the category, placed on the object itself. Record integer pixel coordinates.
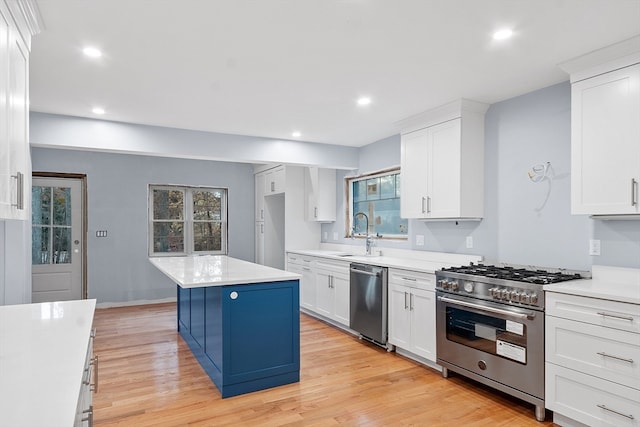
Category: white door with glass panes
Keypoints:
(57, 239)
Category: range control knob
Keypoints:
(468, 287)
(455, 287)
(534, 299)
(515, 296)
(504, 293)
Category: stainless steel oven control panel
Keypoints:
(520, 295)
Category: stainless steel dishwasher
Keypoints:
(368, 302)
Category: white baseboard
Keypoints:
(137, 302)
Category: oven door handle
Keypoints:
(529, 315)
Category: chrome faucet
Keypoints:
(369, 242)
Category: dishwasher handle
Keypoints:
(368, 273)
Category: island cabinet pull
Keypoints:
(615, 412)
(603, 354)
(89, 417)
(94, 362)
(616, 316)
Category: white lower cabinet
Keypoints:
(305, 266)
(332, 290)
(592, 354)
(412, 312)
(84, 410)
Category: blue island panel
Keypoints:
(246, 337)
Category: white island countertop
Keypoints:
(43, 348)
(217, 270)
(610, 283)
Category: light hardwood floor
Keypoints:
(148, 377)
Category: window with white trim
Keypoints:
(187, 220)
(374, 199)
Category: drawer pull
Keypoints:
(410, 279)
(601, 353)
(617, 316)
(615, 412)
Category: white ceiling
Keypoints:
(269, 67)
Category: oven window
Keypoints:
(491, 334)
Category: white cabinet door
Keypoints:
(605, 143)
(324, 293)
(341, 298)
(443, 166)
(413, 174)
(275, 181)
(259, 255)
(308, 288)
(15, 174)
(259, 188)
(399, 316)
(422, 307)
(320, 194)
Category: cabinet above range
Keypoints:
(442, 163)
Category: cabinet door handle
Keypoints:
(411, 302)
(405, 301)
(89, 417)
(315, 212)
(424, 205)
(603, 354)
(306, 268)
(273, 186)
(616, 316)
(615, 412)
(94, 362)
(634, 192)
(428, 204)
(261, 228)
(261, 213)
(19, 176)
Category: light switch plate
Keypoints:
(419, 240)
(469, 242)
(594, 247)
(335, 235)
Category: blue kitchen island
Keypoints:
(241, 320)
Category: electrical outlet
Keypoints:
(594, 247)
(335, 235)
(419, 240)
(469, 242)
(101, 233)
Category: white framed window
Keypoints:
(187, 220)
(374, 200)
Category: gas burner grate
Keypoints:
(540, 277)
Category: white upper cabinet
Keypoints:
(442, 163)
(320, 194)
(15, 170)
(605, 130)
(275, 181)
(605, 143)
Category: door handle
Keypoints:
(405, 301)
(19, 176)
(424, 205)
(410, 302)
(634, 192)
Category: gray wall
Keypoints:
(118, 265)
(525, 222)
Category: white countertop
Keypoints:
(42, 354)
(421, 265)
(610, 283)
(217, 270)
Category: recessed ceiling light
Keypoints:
(92, 52)
(502, 34)
(365, 100)
(98, 110)
(296, 134)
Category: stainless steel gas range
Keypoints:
(490, 327)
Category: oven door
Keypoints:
(501, 343)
